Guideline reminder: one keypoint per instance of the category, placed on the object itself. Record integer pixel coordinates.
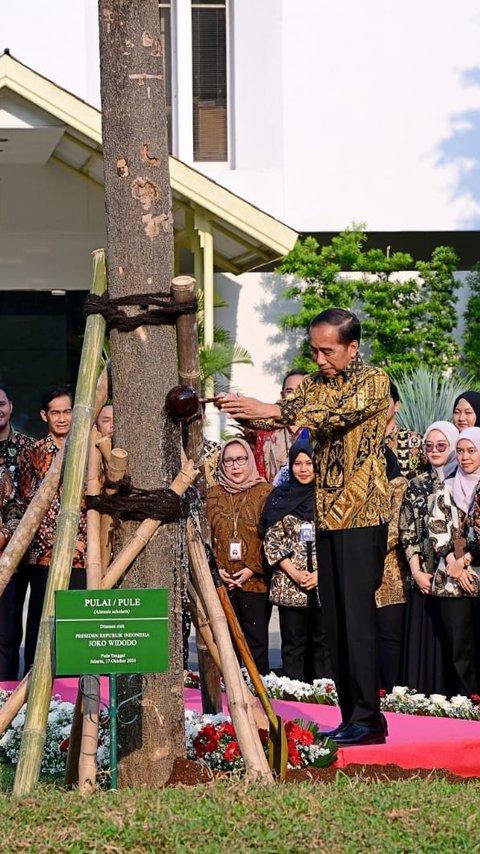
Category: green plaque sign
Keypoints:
(111, 631)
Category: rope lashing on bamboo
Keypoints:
(166, 310)
(135, 504)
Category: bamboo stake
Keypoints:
(116, 468)
(145, 531)
(70, 778)
(183, 290)
(90, 706)
(104, 445)
(30, 522)
(202, 625)
(249, 741)
(33, 737)
(14, 703)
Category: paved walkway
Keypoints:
(274, 645)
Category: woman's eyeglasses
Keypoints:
(229, 461)
(435, 446)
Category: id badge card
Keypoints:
(306, 532)
(235, 550)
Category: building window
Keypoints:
(209, 63)
(165, 11)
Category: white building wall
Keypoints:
(367, 112)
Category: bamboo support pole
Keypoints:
(14, 703)
(90, 703)
(104, 445)
(183, 290)
(116, 468)
(248, 739)
(33, 737)
(30, 522)
(145, 531)
(70, 778)
(202, 624)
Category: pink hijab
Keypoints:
(253, 476)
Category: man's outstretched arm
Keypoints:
(248, 408)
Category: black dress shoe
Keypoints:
(332, 732)
(358, 734)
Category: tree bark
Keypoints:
(140, 260)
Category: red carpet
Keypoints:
(414, 741)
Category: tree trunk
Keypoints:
(144, 367)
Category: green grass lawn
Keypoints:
(236, 818)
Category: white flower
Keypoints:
(399, 691)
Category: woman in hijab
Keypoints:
(287, 525)
(234, 506)
(454, 530)
(423, 665)
(466, 410)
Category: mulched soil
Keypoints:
(188, 773)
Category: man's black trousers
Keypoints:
(350, 569)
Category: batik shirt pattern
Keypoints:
(10, 509)
(447, 522)
(34, 465)
(346, 416)
(283, 540)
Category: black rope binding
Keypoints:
(138, 504)
(165, 312)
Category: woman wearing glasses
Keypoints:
(454, 529)
(234, 506)
(423, 666)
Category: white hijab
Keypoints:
(451, 434)
(463, 486)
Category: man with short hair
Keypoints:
(56, 412)
(272, 446)
(104, 422)
(11, 446)
(344, 406)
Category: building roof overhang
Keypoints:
(40, 121)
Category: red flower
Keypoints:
(64, 745)
(232, 751)
(263, 733)
(382, 692)
(475, 698)
(293, 756)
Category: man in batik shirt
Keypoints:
(11, 445)
(35, 462)
(344, 406)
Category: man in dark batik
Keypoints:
(344, 406)
(11, 445)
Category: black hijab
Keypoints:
(292, 498)
(473, 398)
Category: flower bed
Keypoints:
(211, 740)
(57, 737)
(401, 699)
